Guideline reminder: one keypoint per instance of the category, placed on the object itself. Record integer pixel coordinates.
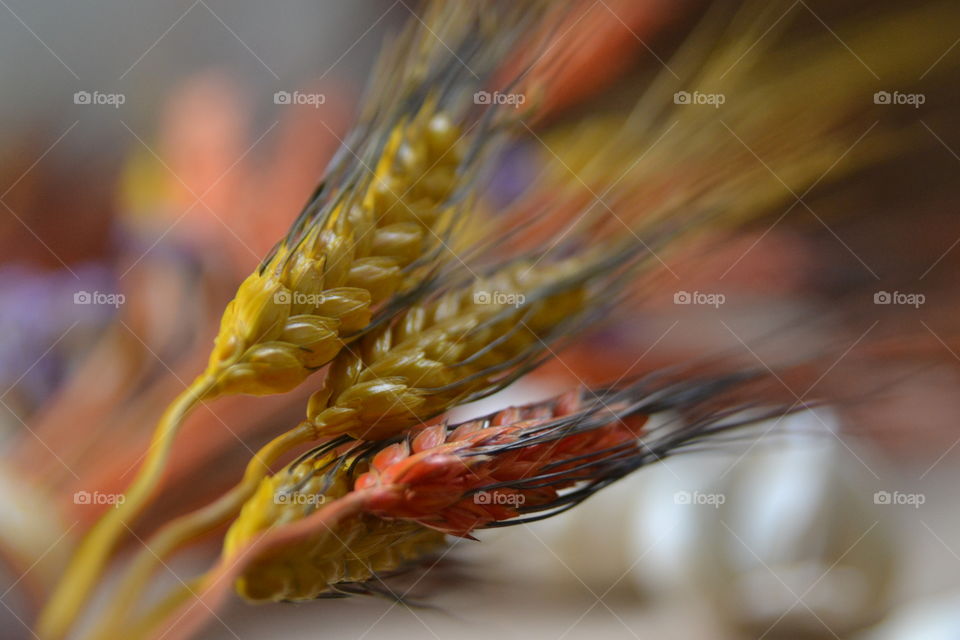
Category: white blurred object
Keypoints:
(783, 539)
(799, 548)
(935, 618)
(35, 538)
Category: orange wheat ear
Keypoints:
(499, 467)
(529, 463)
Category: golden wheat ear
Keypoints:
(465, 343)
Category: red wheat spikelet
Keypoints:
(532, 462)
(495, 468)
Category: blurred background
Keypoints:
(152, 153)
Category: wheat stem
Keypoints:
(212, 587)
(158, 613)
(88, 561)
(176, 533)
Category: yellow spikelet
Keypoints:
(450, 350)
(354, 551)
(293, 315)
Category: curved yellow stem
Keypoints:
(171, 618)
(89, 559)
(176, 533)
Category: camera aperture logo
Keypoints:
(309, 499)
(712, 99)
(99, 98)
(299, 297)
(499, 498)
(499, 297)
(700, 298)
(496, 98)
(697, 498)
(887, 97)
(910, 299)
(299, 97)
(96, 497)
(99, 298)
(914, 500)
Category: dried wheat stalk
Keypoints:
(464, 344)
(307, 526)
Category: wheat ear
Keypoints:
(467, 343)
(294, 314)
